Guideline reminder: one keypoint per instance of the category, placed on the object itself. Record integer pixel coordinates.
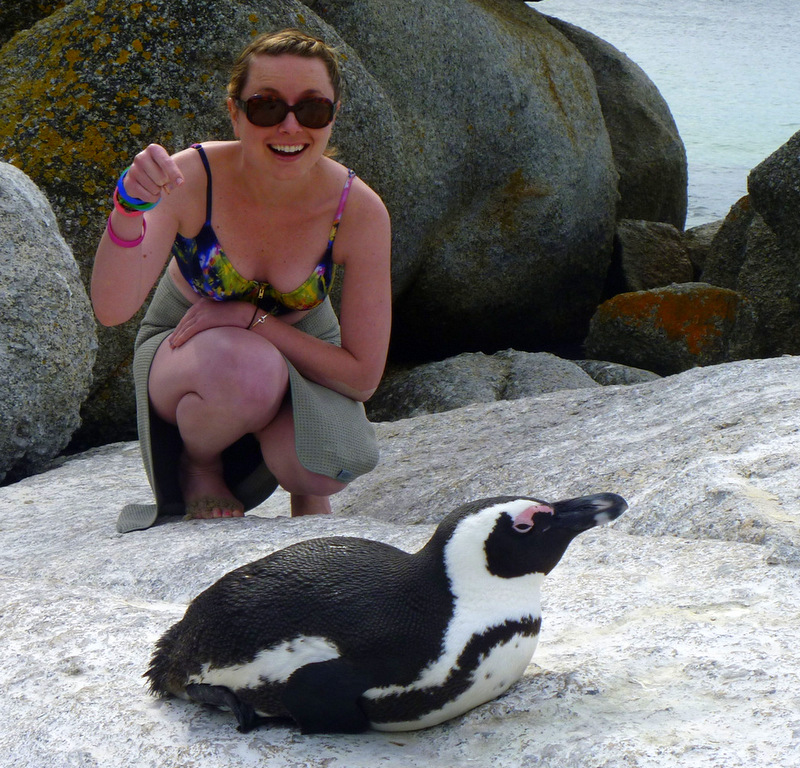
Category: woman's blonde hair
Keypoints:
(291, 41)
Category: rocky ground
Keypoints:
(669, 638)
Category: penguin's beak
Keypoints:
(587, 511)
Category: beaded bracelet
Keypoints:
(134, 203)
(125, 243)
(120, 207)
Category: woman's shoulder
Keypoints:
(365, 229)
(361, 197)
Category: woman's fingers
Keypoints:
(153, 171)
(167, 174)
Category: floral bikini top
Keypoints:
(209, 272)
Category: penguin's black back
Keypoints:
(381, 606)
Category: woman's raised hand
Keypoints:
(153, 171)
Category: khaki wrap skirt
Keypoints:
(332, 434)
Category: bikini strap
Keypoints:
(199, 148)
(351, 174)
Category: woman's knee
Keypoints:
(224, 366)
(233, 354)
(258, 375)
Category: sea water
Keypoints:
(728, 69)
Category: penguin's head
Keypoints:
(519, 536)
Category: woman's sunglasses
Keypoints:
(266, 111)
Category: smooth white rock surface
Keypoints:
(669, 638)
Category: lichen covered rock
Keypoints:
(672, 329)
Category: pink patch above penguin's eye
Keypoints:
(523, 522)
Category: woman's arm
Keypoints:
(123, 276)
(355, 368)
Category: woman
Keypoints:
(244, 377)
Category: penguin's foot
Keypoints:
(225, 698)
(205, 492)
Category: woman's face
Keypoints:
(289, 147)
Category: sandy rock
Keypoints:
(660, 646)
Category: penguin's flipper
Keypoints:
(220, 696)
(323, 697)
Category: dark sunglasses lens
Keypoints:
(266, 112)
(314, 113)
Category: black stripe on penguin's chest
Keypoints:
(415, 704)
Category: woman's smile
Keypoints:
(287, 150)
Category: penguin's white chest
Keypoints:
(495, 672)
(491, 636)
(499, 670)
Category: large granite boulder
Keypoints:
(48, 342)
(769, 279)
(648, 150)
(774, 187)
(757, 251)
(669, 638)
(514, 184)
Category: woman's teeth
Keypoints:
(290, 149)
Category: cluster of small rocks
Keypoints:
(725, 291)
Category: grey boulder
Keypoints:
(48, 343)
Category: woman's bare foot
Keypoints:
(310, 505)
(205, 492)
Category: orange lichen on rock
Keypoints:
(695, 317)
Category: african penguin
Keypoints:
(343, 634)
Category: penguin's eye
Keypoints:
(522, 527)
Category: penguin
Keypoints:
(342, 634)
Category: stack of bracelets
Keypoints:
(131, 207)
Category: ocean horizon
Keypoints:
(728, 71)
